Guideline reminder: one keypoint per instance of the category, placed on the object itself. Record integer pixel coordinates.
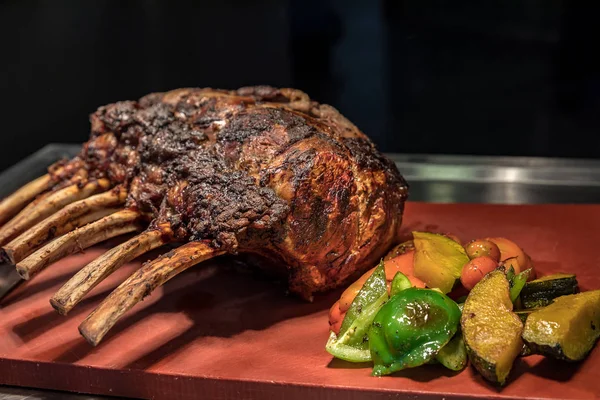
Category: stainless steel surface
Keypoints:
(432, 178)
(489, 170)
(500, 180)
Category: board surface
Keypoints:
(215, 331)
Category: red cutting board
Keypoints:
(216, 332)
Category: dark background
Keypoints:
(505, 77)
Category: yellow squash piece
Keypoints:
(438, 260)
(566, 329)
(492, 331)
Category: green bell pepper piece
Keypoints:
(510, 273)
(410, 329)
(517, 283)
(346, 352)
(399, 283)
(373, 289)
(351, 344)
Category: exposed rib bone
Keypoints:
(37, 211)
(65, 220)
(95, 272)
(116, 224)
(140, 284)
(60, 230)
(19, 199)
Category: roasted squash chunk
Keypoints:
(566, 329)
(492, 331)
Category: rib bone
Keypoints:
(19, 199)
(116, 224)
(95, 272)
(140, 284)
(61, 230)
(65, 220)
(37, 211)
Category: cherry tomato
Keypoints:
(475, 270)
(482, 247)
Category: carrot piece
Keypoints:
(336, 317)
(403, 263)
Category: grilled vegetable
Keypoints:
(402, 263)
(492, 332)
(517, 283)
(453, 355)
(417, 326)
(438, 260)
(566, 329)
(475, 270)
(509, 249)
(399, 283)
(351, 344)
(541, 292)
(400, 249)
(482, 248)
(410, 329)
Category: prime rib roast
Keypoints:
(285, 182)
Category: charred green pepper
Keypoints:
(516, 283)
(410, 329)
(351, 342)
(399, 283)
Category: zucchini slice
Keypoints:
(541, 292)
(453, 355)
